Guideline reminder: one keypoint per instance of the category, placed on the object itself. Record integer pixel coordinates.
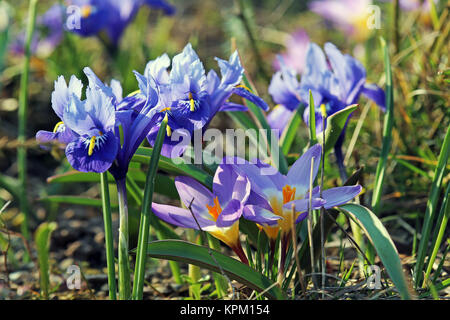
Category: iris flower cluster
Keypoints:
(93, 17)
(104, 131)
(335, 80)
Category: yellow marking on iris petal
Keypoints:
(215, 210)
(86, 11)
(323, 110)
(91, 146)
(191, 102)
(165, 109)
(57, 126)
(134, 93)
(244, 87)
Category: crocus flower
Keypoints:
(350, 16)
(287, 196)
(294, 57)
(189, 97)
(216, 212)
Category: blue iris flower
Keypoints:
(335, 80)
(113, 16)
(91, 129)
(189, 97)
(61, 97)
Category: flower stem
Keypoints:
(109, 242)
(124, 268)
(22, 114)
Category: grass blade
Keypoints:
(22, 114)
(144, 226)
(109, 241)
(382, 243)
(42, 239)
(431, 208)
(288, 136)
(387, 132)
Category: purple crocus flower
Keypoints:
(350, 16)
(216, 212)
(190, 98)
(284, 199)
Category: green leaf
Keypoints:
(382, 243)
(197, 255)
(77, 200)
(168, 165)
(164, 184)
(335, 125)
(430, 212)
(144, 226)
(312, 121)
(387, 132)
(42, 239)
(288, 136)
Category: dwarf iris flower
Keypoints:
(336, 81)
(189, 97)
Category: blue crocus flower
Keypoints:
(190, 98)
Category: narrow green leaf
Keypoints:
(42, 239)
(77, 200)
(382, 243)
(335, 125)
(198, 255)
(431, 208)
(387, 131)
(288, 136)
(144, 226)
(312, 120)
(168, 165)
(164, 184)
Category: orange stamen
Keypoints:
(288, 194)
(215, 210)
